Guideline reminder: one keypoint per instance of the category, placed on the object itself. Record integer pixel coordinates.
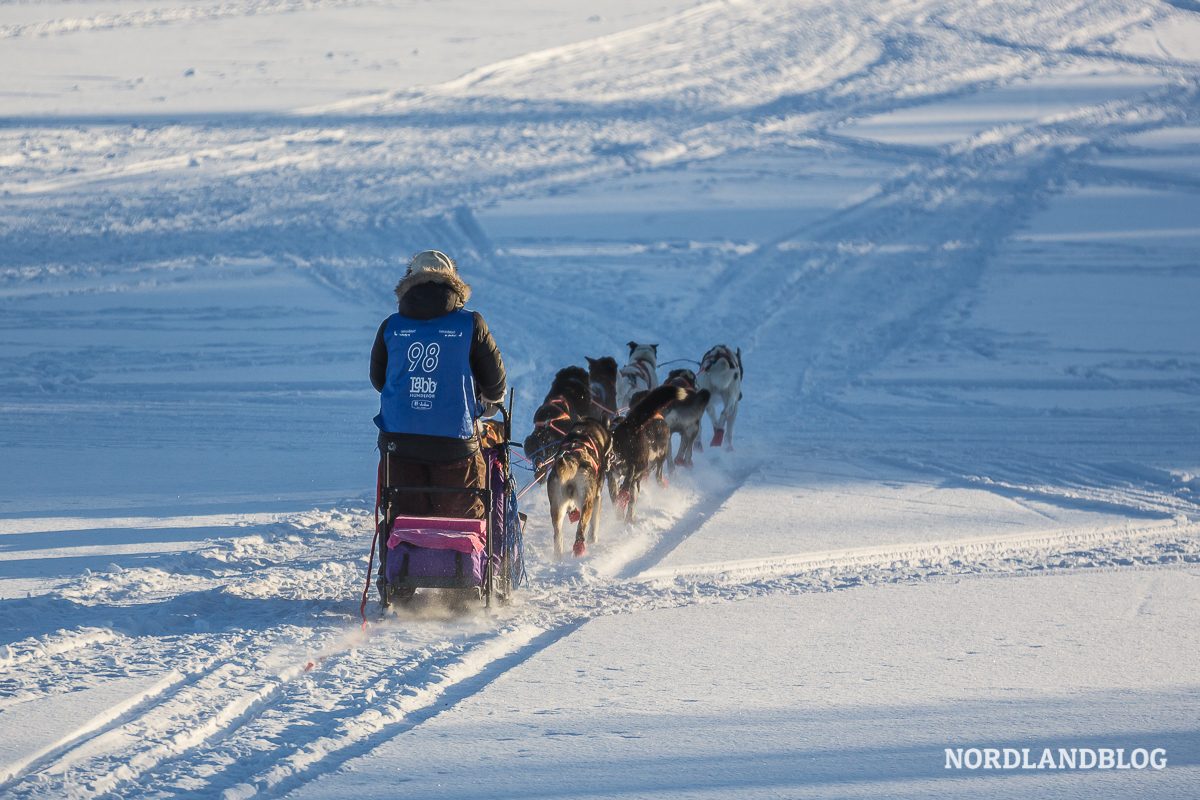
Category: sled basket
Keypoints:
(454, 553)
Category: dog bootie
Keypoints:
(573, 515)
(679, 462)
(718, 437)
(579, 549)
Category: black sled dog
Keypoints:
(640, 442)
(683, 417)
(603, 374)
(575, 480)
(566, 403)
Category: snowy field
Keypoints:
(958, 244)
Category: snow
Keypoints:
(817, 695)
(128, 57)
(800, 513)
(956, 242)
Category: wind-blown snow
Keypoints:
(957, 243)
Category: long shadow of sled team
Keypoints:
(605, 424)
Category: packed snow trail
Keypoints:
(243, 710)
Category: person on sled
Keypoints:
(437, 370)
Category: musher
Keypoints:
(437, 370)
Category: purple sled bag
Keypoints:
(448, 551)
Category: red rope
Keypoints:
(603, 407)
(362, 609)
(527, 488)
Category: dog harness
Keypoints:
(587, 449)
(639, 370)
(563, 408)
(715, 355)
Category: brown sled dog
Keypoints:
(640, 442)
(575, 480)
(567, 402)
(683, 417)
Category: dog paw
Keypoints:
(579, 549)
(718, 437)
(573, 515)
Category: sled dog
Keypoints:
(575, 480)
(603, 374)
(640, 374)
(683, 416)
(640, 442)
(721, 373)
(566, 402)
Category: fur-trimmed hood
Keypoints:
(433, 267)
(450, 279)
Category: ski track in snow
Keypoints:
(238, 714)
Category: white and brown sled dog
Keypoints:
(683, 416)
(575, 481)
(721, 373)
(639, 375)
(640, 442)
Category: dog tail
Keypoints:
(565, 469)
(653, 403)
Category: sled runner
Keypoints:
(427, 552)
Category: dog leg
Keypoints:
(585, 519)
(556, 519)
(634, 487)
(613, 490)
(634, 491)
(712, 414)
(597, 503)
(671, 461)
(628, 484)
(687, 440)
(729, 425)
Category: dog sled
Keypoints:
(477, 557)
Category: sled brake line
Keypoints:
(362, 609)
